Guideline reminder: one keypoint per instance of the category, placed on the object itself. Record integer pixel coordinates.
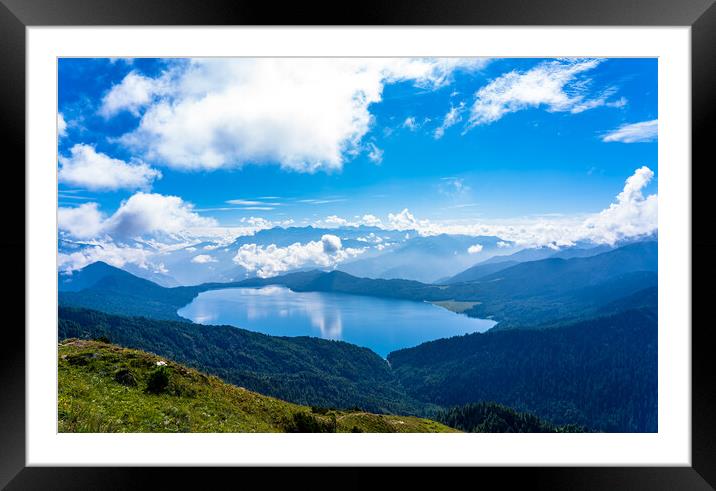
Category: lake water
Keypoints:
(383, 325)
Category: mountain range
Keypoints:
(525, 294)
(575, 341)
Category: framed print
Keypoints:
(412, 237)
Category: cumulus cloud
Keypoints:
(474, 249)
(557, 85)
(645, 131)
(134, 92)
(141, 214)
(87, 168)
(403, 220)
(203, 259)
(502, 244)
(331, 243)
(272, 260)
(61, 126)
(304, 114)
(145, 213)
(82, 222)
(632, 214)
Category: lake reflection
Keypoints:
(383, 325)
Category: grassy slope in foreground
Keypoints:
(103, 388)
(302, 370)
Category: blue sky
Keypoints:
(255, 138)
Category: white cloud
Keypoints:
(453, 117)
(375, 154)
(454, 187)
(272, 260)
(336, 221)
(162, 224)
(82, 222)
(108, 252)
(403, 220)
(621, 102)
(632, 215)
(142, 214)
(203, 259)
(145, 213)
(554, 84)
(61, 126)
(410, 123)
(371, 237)
(85, 167)
(645, 131)
(474, 249)
(304, 114)
(371, 221)
(331, 243)
(134, 92)
(251, 202)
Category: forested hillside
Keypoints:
(600, 373)
(485, 417)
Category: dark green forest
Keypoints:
(600, 373)
(488, 417)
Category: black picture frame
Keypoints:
(700, 15)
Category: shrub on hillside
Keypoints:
(125, 377)
(158, 380)
(307, 423)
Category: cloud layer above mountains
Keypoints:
(156, 220)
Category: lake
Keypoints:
(381, 324)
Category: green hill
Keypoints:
(113, 290)
(303, 370)
(107, 388)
